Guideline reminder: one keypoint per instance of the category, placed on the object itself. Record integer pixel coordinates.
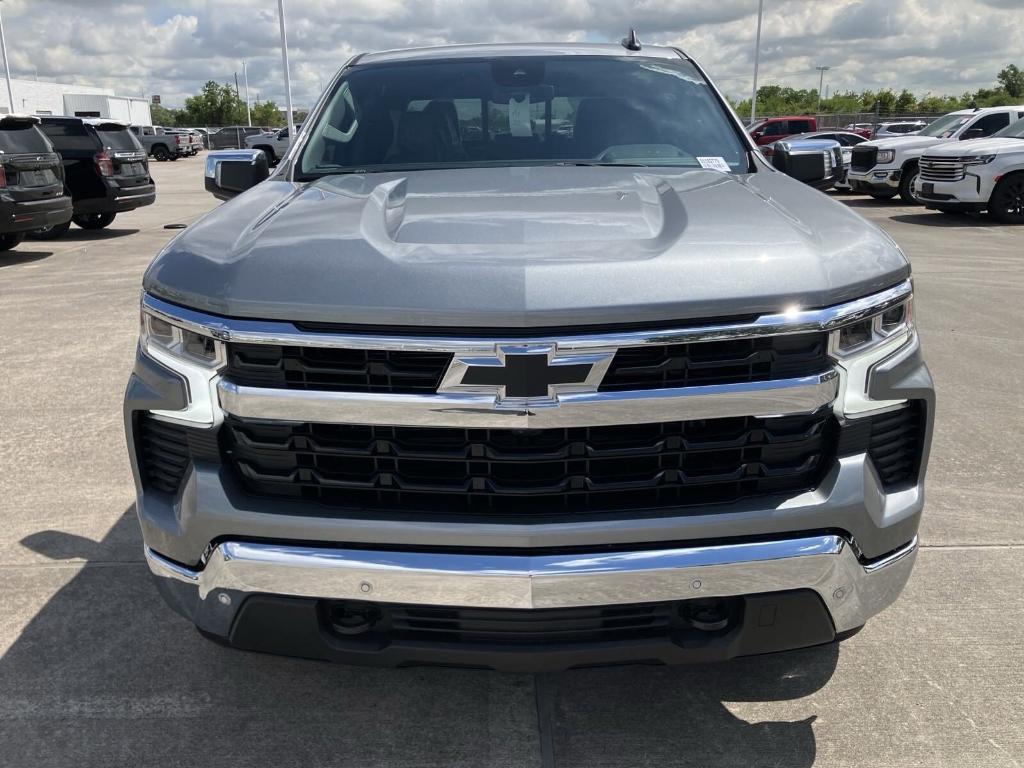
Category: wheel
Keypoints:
(883, 195)
(10, 240)
(1007, 202)
(172, 158)
(50, 233)
(93, 220)
(907, 185)
(160, 153)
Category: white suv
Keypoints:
(884, 168)
(987, 174)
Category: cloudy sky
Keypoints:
(171, 47)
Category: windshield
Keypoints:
(944, 127)
(534, 110)
(1012, 131)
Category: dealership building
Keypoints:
(39, 97)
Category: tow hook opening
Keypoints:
(350, 617)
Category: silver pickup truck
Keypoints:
(524, 357)
(162, 144)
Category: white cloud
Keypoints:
(172, 47)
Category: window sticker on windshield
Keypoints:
(519, 116)
(714, 164)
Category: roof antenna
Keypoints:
(630, 42)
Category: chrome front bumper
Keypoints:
(852, 590)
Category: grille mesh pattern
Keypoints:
(348, 370)
(721, 362)
(508, 626)
(531, 473)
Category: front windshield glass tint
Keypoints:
(1012, 131)
(944, 127)
(521, 111)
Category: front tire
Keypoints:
(10, 240)
(907, 185)
(1007, 202)
(51, 233)
(93, 220)
(160, 153)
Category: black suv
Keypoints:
(31, 181)
(105, 168)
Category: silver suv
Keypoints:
(525, 358)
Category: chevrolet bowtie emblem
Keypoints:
(526, 374)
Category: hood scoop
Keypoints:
(640, 209)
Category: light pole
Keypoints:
(7, 67)
(821, 83)
(245, 76)
(287, 75)
(757, 59)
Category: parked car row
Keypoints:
(922, 163)
(56, 170)
(911, 166)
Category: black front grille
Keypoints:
(864, 158)
(338, 370)
(522, 627)
(633, 368)
(531, 473)
(720, 362)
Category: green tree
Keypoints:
(164, 116)
(1012, 80)
(906, 101)
(266, 113)
(214, 105)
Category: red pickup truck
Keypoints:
(771, 129)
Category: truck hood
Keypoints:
(525, 247)
(989, 146)
(902, 143)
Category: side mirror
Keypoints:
(972, 133)
(815, 162)
(231, 172)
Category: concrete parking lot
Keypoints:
(96, 671)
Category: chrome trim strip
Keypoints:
(766, 398)
(825, 563)
(275, 332)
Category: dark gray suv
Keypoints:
(525, 358)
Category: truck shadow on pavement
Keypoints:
(77, 235)
(10, 258)
(104, 674)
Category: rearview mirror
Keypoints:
(231, 172)
(972, 133)
(818, 163)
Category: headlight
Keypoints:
(161, 334)
(858, 346)
(195, 356)
(978, 159)
(885, 155)
(867, 333)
